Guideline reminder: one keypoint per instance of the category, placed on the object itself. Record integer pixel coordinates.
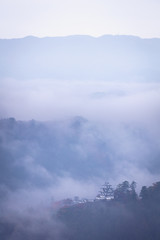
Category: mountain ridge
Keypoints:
(81, 57)
(83, 35)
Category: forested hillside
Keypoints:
(35, 153)
(126, 217)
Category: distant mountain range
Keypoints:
(81, 57)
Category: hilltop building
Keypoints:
(106, 193)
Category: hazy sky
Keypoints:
(19, 18)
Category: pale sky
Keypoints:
(19, 18)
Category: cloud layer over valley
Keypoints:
(87, 131)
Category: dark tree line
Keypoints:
(125, 191)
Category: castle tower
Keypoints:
(106, 192)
